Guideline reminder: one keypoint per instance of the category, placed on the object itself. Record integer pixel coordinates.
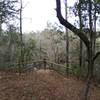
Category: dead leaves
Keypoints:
(42, 85)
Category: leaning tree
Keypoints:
(88, 41)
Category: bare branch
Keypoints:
(64, 22)
(97, 54)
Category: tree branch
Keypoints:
(64, 22)
(97, 54)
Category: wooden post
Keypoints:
(51, 66)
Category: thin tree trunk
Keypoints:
(81, 44)
(40, 50)
(0, 29)
(0, 25)
(67, 42)
(94, 27)
(90, 52)
(21, 48)
(81, 55)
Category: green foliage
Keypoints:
(10, 48)
(8, 10)
(83, 6)
(29, 48)
(76, 70)
(57, 67)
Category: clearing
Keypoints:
(42, 85)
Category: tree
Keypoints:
(13, 39)
(55, 37)
(29, 50)
(52, 42)
(9, 46)
(21, 59)
(87, 41)
(67, 42)
(80, 9)
(81, 26)
(8, 11)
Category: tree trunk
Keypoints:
(0, 25)
(90, 72)
(40, 50)
(95, 18)
(81, 55)
(21, 48)
(67, 43)
(81, 25)
(84, 38)
(90, 53)
(0, 29)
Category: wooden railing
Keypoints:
(26, 66)
(57, 67)
(35, 64)
(38, 64)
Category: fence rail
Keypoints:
(38, 64)
(45, 64)
(57, 67)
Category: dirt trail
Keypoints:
(42, 85)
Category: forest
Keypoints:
(60, 62)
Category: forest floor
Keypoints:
(43, 85)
